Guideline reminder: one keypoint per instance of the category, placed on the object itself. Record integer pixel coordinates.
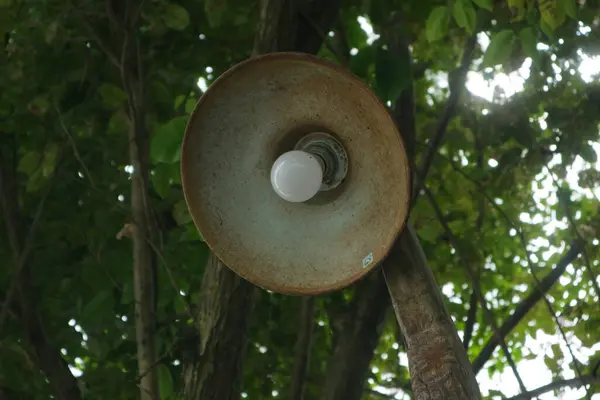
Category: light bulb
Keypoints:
(296, 176)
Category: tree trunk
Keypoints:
(143, 231)
(214, 370)
(438, 363)
(226, 300)
(356, 339)
(302, 348)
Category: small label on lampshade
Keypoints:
(367, 260)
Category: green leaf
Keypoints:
(529, 43)
(176, 17)
(93, 307)
(161, 180)
(179, 101)
(551, 13)
(166, 142)
(181, 213)
(191, 234)
(190, 104)
(429, 232)
(165, 381)
(465, 15)
(362, 61)
(523, 137)
(588, 153)
(356, 36)
(5, 3)
(112, 95)
(517, 9)
(392, 74)
(51, 31)
(437, 23)
(215, 11)
(29, 162)
(35, 181)
(485, 4)
(499, 49)
(547, 29)
(39, 105)
(570, 7)
(118, 123)
(50, 159)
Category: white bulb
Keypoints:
(296, 176)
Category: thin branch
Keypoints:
(456, 88)
(559, 384)
(341, 56)
(575, 229)
(528, 303)
(476, 287)
(102, 44)
(589, 268)
(471, 317)
(86, 171)
(302, 348)
(523, 241)
(128, 231)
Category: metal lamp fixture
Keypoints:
(295, 174)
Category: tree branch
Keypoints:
(490, 320)
(528, 303)
(523, 241)
(471, 317)
(433, 346)
(426, 322)
(559, 384)
(456, 86)
(302, 348)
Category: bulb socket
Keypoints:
(331, 155)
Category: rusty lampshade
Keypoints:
(295, 174)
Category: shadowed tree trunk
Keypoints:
(357, 335)
(302, 348)
(213, 372)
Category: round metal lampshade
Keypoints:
(248, 117)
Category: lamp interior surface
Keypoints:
(252, 114)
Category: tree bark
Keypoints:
(226, 300)
(438, 363)
(143, 231)
(214, 371)
(356, 340)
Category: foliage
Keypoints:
(504, 176)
